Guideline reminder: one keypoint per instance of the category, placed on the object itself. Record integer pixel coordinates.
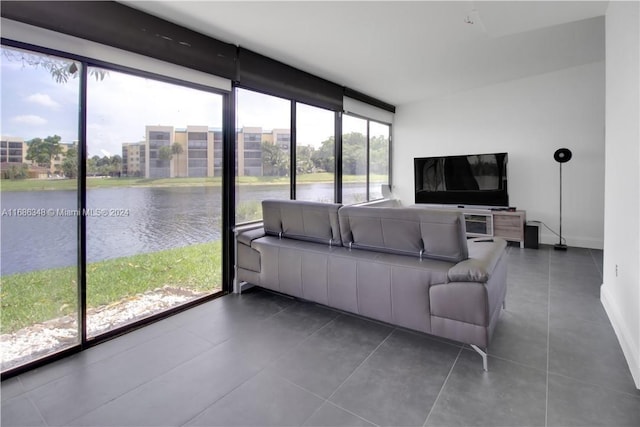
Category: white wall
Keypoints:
(620, 292)
(528, 118)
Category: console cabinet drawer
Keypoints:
(509, 225)
(507, 221)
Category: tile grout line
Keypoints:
(595, 385)
(324, 401)
(363, 362)
(546, 405)
(83, 354)
(352, 373)
(597, 264)
(435, 402)
(350, 412)
(154, 378)
(28, 396)
(263, 369)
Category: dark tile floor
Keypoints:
(262, 359)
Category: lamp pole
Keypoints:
(560, 246)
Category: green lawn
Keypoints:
(29, 298)
(71, 184)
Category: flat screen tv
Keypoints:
(468, 180)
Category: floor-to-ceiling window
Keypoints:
(263, 144)
(315, 153)
(354, 160)
(365, 159)
(379, 138)
(153, 239)
(39, 197)
(111, 207)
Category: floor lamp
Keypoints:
(562, 155)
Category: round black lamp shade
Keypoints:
(562, 155)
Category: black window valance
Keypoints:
(123, 27)
(120, 26)
(267, 75)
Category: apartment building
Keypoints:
(200, 152)
(133, 158)
(12, 150)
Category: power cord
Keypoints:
(562, 239)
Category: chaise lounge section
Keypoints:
(411, 267)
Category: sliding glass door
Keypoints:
(263, 144)
(142, 193)
(365, 160)
(379, 135)
(354, 160)
(154, 205)
(39, 198)
(315, 154)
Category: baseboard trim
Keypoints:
(622, 332)
(572, 241)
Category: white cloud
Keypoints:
(29, 119)
(44, 100)
(120, 106)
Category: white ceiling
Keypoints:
(401, 52)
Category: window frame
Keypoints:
(368, 154)
(84, 341)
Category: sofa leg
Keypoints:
(483, 354)
(241, 286)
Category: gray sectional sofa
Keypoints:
(411, 267)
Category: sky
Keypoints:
(119, 107)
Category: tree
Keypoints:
(303, 159)
(164, 153)
(104, 166)
(115, 162)
(379, 155)
(354, 154)
(43, 151)
(92, 165)
(324, 157)
(275, 161)
(19, 171)
(70, 163)
(177, 149)
(61, 70)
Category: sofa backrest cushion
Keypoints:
(431, 234)
(391, 230)
(310, 221)
(444, 234)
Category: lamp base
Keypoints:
(560, 247)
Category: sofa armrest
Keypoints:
(247, 236)
(468, 311)
(463, 301)
(247, 258)
(484, 254)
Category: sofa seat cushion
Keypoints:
(310, 221)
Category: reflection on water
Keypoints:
(145, 220)
(150, 219)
